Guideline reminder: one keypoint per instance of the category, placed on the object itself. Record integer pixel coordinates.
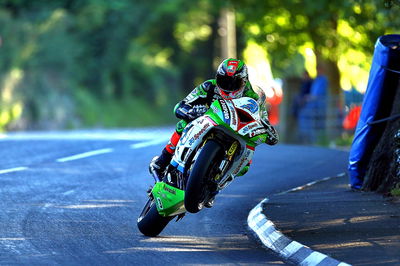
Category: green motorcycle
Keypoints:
(213, 149)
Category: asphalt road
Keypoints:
(73, 199)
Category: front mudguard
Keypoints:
(169, 200)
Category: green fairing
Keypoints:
(259, 139)
(244, 170)
(217, 118)
(169, 200)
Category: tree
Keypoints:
(333, 30)
(340, 34)
(73, 62)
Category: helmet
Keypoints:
(231, 78)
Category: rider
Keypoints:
(231, 82)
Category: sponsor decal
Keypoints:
(159, 203)
(232, 149)
(198, 134)
(232, 67)
(169, 190)
(260, 141)
(215, 109)
(191, 97)
(233, 114)
(257, 132)
(253, 126)
(224, 109)
(252, 106)
(242, 161)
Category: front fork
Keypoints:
(224, 166)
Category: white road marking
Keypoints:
(129, 135)
(149, 143)
(84, 155)
(68, 192)
(16, 169)
(12, 238)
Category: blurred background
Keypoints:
(69, 64)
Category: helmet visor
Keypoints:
(229, 84)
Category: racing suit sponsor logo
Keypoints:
(197, 93)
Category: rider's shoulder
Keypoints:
(208, 85)
(249, 91)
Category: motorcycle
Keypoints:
(212, 150)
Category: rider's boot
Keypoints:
(159, 164)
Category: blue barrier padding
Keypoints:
(377, 104)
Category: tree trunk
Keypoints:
(335, 97)
(288, 127)
(382, 173)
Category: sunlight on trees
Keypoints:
(77, 59)
(10, 108)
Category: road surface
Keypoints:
(73, 199)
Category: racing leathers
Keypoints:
(196, 104)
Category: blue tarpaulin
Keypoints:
(377, 104)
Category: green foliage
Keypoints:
(345, 140)
(62, 62)
(396, 190)
(330, 28)
(81, 63)
(125, 112)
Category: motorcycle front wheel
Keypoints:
(196, 186)
(150, 222)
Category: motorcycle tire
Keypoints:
(150, 222)
(196, 186)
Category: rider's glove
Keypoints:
(182, 112)
(198, 110)
(189, 113)
(272, 135)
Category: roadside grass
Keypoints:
(396, 190)
(127, 112)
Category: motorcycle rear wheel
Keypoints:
(196, 186)
(150, 222)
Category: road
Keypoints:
(73, 199)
